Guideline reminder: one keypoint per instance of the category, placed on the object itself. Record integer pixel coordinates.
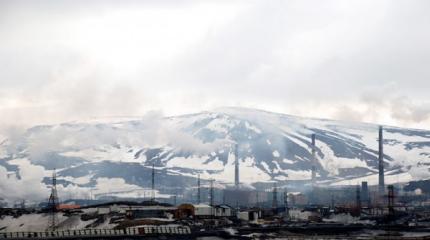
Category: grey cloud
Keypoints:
(29, 186)
(290, 56)
(386, 101)
(346, 113)
(153, 130)
(404, 109)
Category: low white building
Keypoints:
(114, 208)
(249, 215)
(124, 208)
(203, 210)
(223, 211)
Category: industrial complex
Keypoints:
(237, 211)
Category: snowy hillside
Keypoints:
(117, 156)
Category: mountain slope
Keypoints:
(116, 155)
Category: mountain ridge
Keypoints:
(272, 147)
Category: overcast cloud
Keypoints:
(349, 60)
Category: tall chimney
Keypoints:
(365, 193)
(358, 199)
(236, 167)
(381, 162)
(390, 199)
(198, 189)
(287, 213)
(212, 196)
(313, 161)
(153, 184)
(275, 196)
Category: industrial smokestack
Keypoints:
(390, 199)
(287, 213)
(153, 184)
(275, 196)
(358, 199)
(212, 196)
(381, 162)
(313, 160)
(198, 189)
(236, 167)
(365, 193)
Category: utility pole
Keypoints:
(153, 184)
(313, 180)
(236, 167)
(313, 170)
(381, 183)
(212, 202)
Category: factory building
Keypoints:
(150, 212)
(245, 197)
(136, 210)
(297, 199)
(191, 211)
(201, 211)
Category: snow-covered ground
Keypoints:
(271, 147)
(41, 222)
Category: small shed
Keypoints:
(251, 215)
(203, 210)
(223, 211)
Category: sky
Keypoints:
(357, 60)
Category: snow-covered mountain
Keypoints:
(117, 155)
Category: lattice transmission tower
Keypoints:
(53, 203)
